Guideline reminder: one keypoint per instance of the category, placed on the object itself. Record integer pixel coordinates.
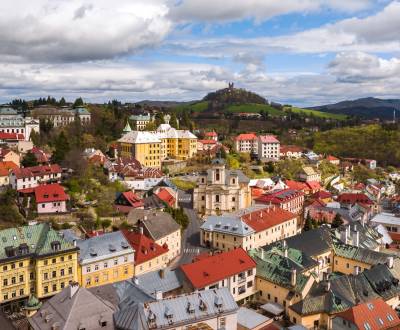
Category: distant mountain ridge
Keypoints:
(368, 107)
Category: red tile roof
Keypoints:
(166, 197)
(290, 148)
(297, 185)
(278, 197)
(314, 185)
(322, 194)
(40, 155)
(210, 134)
(247, 136)
(352, 198)
(132, 199)
(207, 141)
(266, 218)
(50, 193)
(27, 172)
(373, 312)
(268, 139)
(331, 158)
(217, 267)
(11, 136)
(145, 248)
(6, 167)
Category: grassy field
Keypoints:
(255, 108)
(183, 184)
(317, 113)
(196, 107)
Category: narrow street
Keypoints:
(191, 236)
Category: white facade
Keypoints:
(268, 148)
(32, 181)
(246, 146)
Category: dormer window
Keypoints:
(55, 245)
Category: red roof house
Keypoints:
(127, 201)
(353, 198)
(373, 315)
(215, 268)
(145, 248)
(166, 197)
(261, 220)
(246, 136)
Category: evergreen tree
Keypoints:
(29, 160)
(173, 121)
(337, 221)
(308, 225)
(62, 147)
(62, 102)
(78, 102)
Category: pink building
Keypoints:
(51, 198)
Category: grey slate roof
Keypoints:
(131, 317)
(349, 290)
(159, 224)
(103, 246)
(227, 224)
(313, 242)
(161, 280)
(251, 319)
(73, 307)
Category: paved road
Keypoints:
(191, 236)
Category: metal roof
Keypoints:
(250, 319)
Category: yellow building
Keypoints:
(105, 259)
(248, 228)
(284, 275)
(151, 148)
(350, 259)
(35, 260)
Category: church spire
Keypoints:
(127, 128)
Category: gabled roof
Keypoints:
(352, 198)
(105, 246)
(211, 133)
(158, 224)
(246, 136)
(267, 218)
(145, 248)
(268, 139)
(280, 196)
(215, 268)
(376, 314)
(290, 148)
(36, 239)
(74, 308)
(166, 197)
(132, 199)
(11, 136)
(40, 170)
(6, 167)
(48, 193)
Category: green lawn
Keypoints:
(183, 184)
(196, 107)
(317, 113)
(255, 108)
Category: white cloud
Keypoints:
(361, 67)
(375, 33)
(79, 30)
(234, 10)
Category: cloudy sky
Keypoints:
(304, 52)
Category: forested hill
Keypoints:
(369, 108)
(228, 96)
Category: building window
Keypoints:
(13, 280)
(46, 289)
(222, 322)
(54, 260)
(21, 292)
(21, 278)
(105, 265)
(96, 267)
(116, 262)
(5, 282)
(70, 270)
(53, 274)
(21, 264)
(217, 198)
(88, 281)
(54, 287)
(62, 272)
(62, 285)
(4, 268)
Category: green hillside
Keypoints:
(317, 113)
(255, 108)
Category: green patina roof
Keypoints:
(276, 268)
(82, 111)
(33, 303)
(38, 238)
(359, 254)
(127, 128)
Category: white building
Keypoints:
(140, 121)
(246, 143)
(31, 177)
(268, 148)
(12, 122)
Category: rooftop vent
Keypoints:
(111, 248)
(168, 313)
(124, 245)
(202, 305)
(92, 252)
(190, 308)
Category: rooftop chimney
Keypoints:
(159, 295)
(141, 230)
(328, 286)
(390, 262)
(293, 277)
(356, 238)
(162, 273)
